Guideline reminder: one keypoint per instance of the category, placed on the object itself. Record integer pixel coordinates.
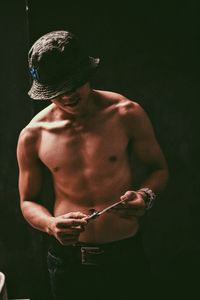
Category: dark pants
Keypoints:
(95, 271)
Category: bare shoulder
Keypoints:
(27, 145)
(31, 133)
(131, 114)
(28, 136)
(129, 108)
(44, 115)
(110, 97)
(126, 107)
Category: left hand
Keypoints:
(133, 206)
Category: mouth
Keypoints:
(73, 102)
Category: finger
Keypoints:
(74, 215)
(130, 195)
(68, 223)
(79, 228)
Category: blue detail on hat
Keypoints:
(34, 74)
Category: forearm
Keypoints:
(36, 215)
(156, 180)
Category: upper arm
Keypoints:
(30, 167)
(143, 139)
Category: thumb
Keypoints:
(128, 196)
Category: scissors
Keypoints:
(96, 213)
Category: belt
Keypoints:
(93, 254)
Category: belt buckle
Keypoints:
(90, 255)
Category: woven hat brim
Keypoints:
(41, 91)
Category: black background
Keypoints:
(150, 53)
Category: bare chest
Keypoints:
(78, 148)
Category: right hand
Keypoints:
(67, 228)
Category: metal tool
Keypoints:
(96, 213)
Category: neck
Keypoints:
(89, 108)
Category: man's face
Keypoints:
(74, 101)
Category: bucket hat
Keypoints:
(58, 64)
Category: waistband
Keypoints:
(56, 247)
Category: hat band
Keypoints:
(34, 73)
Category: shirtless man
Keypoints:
(85, 138)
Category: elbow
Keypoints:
(24, 204)
(26, 207)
